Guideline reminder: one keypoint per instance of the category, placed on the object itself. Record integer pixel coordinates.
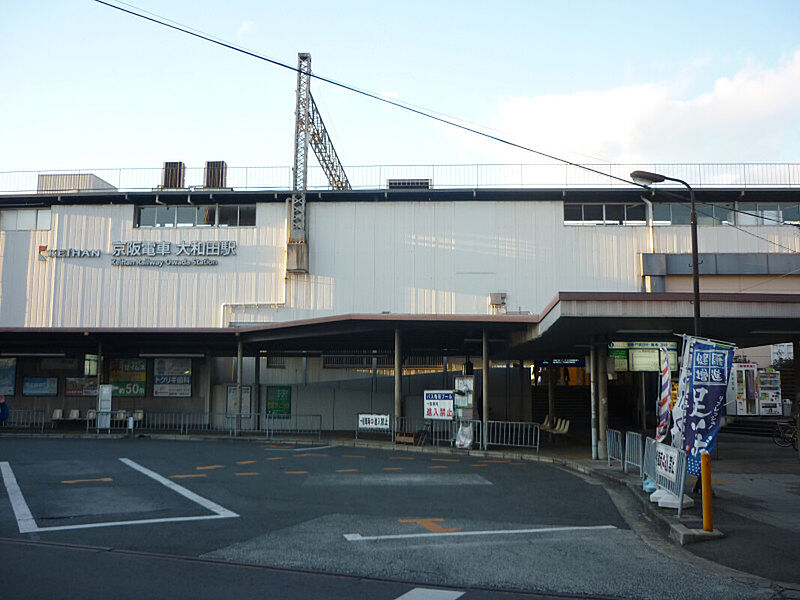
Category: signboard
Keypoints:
(8, 376)
(374, 422)
(279, 401)
(464, 396)
(438, 404)
(232, 404)
(667, 461)
(40, 386)
(81, 386)
(562, 362)
(128, 376)
(104, 394)
(172, 377)
(60, 364)
(168, 254)
(642, 356)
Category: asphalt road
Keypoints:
(147, 517)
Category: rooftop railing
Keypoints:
(462, 176)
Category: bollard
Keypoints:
(705, 476)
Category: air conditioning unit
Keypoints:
(497, 299)
(173, 175)
(409, 184)
(216, 174)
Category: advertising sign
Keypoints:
(708, 382)
(81, 386)
(642, 356)
(464, 388)
(667, 461)
(232, 404)
(279, 401)
(40, 386)
(8, 376)
(438, 405)
(128, 376)
(374, 422)
(172, 377)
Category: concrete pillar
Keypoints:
(485, 380)
(551, 391)
(239, 361)
(446, 384)
(602, 394)
(522, 386)
(643, 404)
(100, 368)
(593, 393)
(398, 374)
(255, 395)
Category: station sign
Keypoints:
(438, 404)
(145, 253)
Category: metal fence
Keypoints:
(614, 448)
(673, 484)
(24, 419)
(633, 451)
(294, 424)
(512, 433)
(536, 175)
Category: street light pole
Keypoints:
(646, 178)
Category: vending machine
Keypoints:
(742, 398)
(769, 393)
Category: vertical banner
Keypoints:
(710, 369)
(684, 380)
(662, 409)
(8, 376)
(172, 377)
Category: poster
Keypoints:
(40, 386)
(8, 376)
(172, 377)
(279, 401)
(232, 403)
(373, 422)
(81, 386)
(127, 376)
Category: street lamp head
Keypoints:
(646, 177)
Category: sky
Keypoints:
(85, 86)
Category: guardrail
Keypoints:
(24, 419)
(470, 176)
(297, 424)
(667, 467)
(614, 448)
(633, 451)
(512, 433)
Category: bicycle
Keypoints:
(785, 434)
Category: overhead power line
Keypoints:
(404, 106)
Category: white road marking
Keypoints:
(307, 449)
(400, 479)
(27, 524)
(428, 594)
(179, 489)
(357, 537)
(25, 520)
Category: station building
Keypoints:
(175, 294)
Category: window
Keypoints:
(662, 214)
(791, 213)
(605, 214)
(276, 362)
(90, 365)
(593, 213)
(615, 214)
(681, 214)
(213, 215)
(635, 214)
(573, 213)
(25, 219)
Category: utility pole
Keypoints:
(308, 129)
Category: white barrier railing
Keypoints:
(24, 419)
(512, 433)
(633, 451)
(614, 448)
(667, 467)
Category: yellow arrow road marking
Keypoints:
(187, 476)
(206, 468)
(86, 480)
(245, 474)
(245, 462)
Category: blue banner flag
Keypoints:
(710, 368)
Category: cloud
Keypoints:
(244, 30)
(750, 116)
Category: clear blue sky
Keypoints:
(83, 85)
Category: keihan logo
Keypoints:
(43, 253)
